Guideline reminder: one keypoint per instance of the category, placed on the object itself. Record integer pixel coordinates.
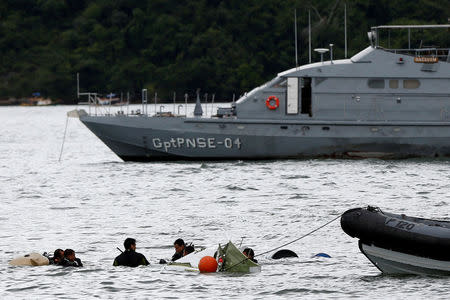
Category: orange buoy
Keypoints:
(207, 264)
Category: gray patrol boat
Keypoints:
(383, 103)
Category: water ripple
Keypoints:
(92, 201)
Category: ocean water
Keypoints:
(91, 201)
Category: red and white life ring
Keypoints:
(269, 102)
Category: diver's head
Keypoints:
(130, 244)
(69, 254)
(179, 245)
(249, 252)
(58, 255)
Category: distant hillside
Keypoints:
(222, 47)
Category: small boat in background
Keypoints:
(36, 101)
(399, 244)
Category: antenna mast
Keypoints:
(295, 29)
(309, 31)
(345, 28)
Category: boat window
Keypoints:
(306, 96)
(411, 83)
(281, 84)
(319, 80)
(393, 84)
(276, 82)
(376, 83)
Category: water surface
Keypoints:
(91, 201)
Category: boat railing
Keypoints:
(97, 107)
(423, 54)
(426, 55)
(105, 107)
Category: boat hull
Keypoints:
(150, 138)
(398, 263)
(399, 244)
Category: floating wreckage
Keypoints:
(228, 258)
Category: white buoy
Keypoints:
(32, 259)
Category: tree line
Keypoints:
(219, 46)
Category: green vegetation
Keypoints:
(220, 46)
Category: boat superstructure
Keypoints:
(381, 102)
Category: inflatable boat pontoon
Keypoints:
(399, 244)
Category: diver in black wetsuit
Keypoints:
(70, 260)
(188, 250)
(130, 257)
(250, 254)
(58, 257)
(179, 249)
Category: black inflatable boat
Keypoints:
(398, 244)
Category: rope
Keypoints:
(297, 239)
(64, 139)
(303, 236)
